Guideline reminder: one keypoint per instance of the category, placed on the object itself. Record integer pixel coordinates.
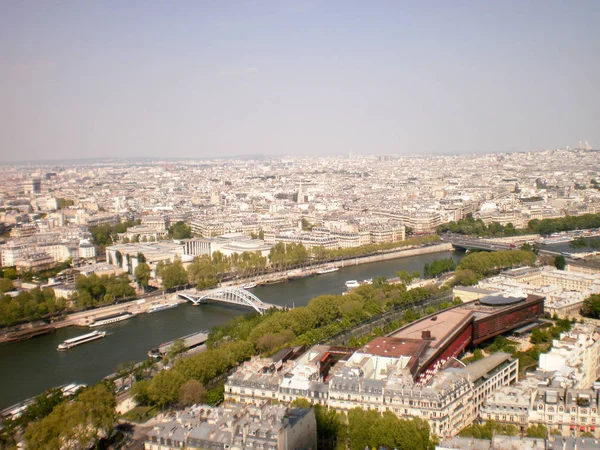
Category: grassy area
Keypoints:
(140, 414)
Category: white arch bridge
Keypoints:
(231, 295)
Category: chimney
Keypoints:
(426, 335)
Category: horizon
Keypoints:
(204, 81)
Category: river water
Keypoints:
(30, 367)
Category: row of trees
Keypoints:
(487, 263)
(207, 271)
(470, 226)
(321, 254)
(583, 243)
(361, 429)
(324, 316)
(491, 428)
(96, 290)
(29, 305)
(79, 423)
(438, 267)
(104, 235)
(539, 336)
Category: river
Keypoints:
(30, 367)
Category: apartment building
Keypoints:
(240, 427)
(380, 377)
(564, 411)
(574, 360)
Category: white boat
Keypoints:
(368, 281)
(162, 307)
(73, 342)
(351, 284)
(111, 319)
(250, 285)
(327, 270)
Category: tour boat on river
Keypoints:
(74, 342)
(100, 321)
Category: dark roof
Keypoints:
(499, 300)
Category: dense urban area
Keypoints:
(491, 342)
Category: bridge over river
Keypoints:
(231, 295)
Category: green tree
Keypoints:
(164, 387)
(591, 306)
(559, 262)
(191, 393)
(537, 431)
(176, 348)
(80, 423)
(179, 230)
(5, 285)
(142, 274)
(172, 274)
(10, 273)
(404, 276)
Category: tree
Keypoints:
(176, 348)
(164, 387)
(559, 262)
(125, 368)
(591, 306)
(5, 285)
(80, 423)
(537, 431)
(404, 276)
(179, 230)
(10, 273)
(172, 274)
(465, 277)
(142, 274)
(191, 393)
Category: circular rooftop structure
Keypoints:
(500, 300)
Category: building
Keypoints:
(574, 360)
(381, 376)
(564, 291)
(565, 412)
(236, 427)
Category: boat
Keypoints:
(250, 285)
(190, 341)
(162, 307)
(368, 281)
(329, 269)
(557, 240)
(28, 333)
(351, 284)
(111, 319)
(74, 342)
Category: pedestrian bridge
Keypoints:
(232, 295)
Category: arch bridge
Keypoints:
(231, 295)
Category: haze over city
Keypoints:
(200, 79)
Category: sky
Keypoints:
(212, 78)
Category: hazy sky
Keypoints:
(210, 78)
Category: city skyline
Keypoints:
(201, 81)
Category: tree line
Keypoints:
(228, 345)
(438, 267)
(360, 429)
(104, 235)
(28, 306)
(476, 227)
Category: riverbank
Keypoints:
(141, 306)
(279, 277)
(26, 364)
